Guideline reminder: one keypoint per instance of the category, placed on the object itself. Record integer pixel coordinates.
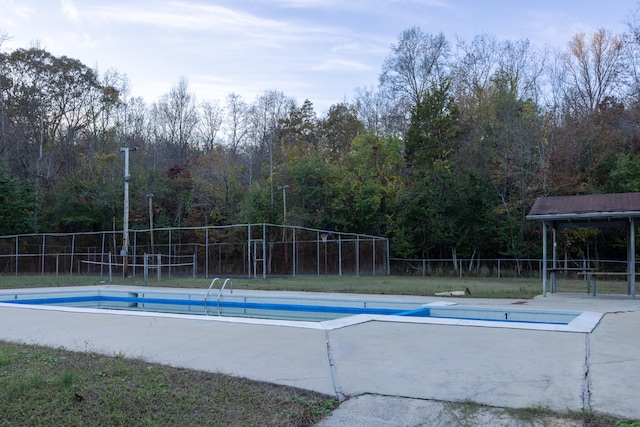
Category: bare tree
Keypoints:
(378, 111)
(632, 53)
(51, 101)
(472, 71)
(266, 114)
(416, 62)
(114, 89)
(176, 120)
(236, 123)
(593, 70)
(210, 124)
(484, 57)
(4, 87)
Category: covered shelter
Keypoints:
(593, 211)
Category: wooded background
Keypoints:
(444, 157)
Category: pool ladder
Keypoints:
(223, 285)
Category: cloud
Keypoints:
(189, 16)
(69, 10)
(13, 11)
(320, 4)
(366, 5)
(224, 28)
(341, 65)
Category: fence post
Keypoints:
(110, 269)
(388, 263)
(318, 251)
(249, 250)
(43, 251)
(195, 263)
(159, 266)
(206, 253)
(294, 249)
(539, 269)
(73, 249)
(102, 256)
(357, 255)
(498, 268)
(340, 255)
(373, 254)
(17, 247)
(145, 268)
(135, 242)
(264, 251)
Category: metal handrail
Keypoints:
(224, 284)
(207, 295)
(227, 280)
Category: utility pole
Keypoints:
(125, 227)
(284, 203)
(150, 197)
(284, 225)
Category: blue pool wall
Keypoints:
(278, 307)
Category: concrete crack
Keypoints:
(586, 382)
(334, 374)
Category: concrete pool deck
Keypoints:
(413, 361)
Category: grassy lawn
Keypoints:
(53, 387)
(45, 386)
(391, 285)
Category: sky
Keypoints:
(320, 50)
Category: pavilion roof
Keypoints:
(586, 210)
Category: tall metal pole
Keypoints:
(632, 257)
(150, 196)
(544, 258)
(284, 225)
(125, 227)
(284, 203)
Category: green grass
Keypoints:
(391, 285)
(44, 387)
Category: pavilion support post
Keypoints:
(629, 257)
(632, 257)
(554, 265)
(544, 258)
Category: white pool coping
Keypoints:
(583, 323)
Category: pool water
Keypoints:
(301, 308)
(254, 306)
(495, 314)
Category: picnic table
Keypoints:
(589, 274)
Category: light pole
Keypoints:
(284, 203)
(284, 225)
(150, 197)
(125, 227)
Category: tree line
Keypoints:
(445, 156)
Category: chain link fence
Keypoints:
(245, 250)
(495, 267)
(461, 267)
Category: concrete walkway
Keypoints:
(374, 363)
(599, 371)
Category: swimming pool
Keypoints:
(309, 308)
(282, 307)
